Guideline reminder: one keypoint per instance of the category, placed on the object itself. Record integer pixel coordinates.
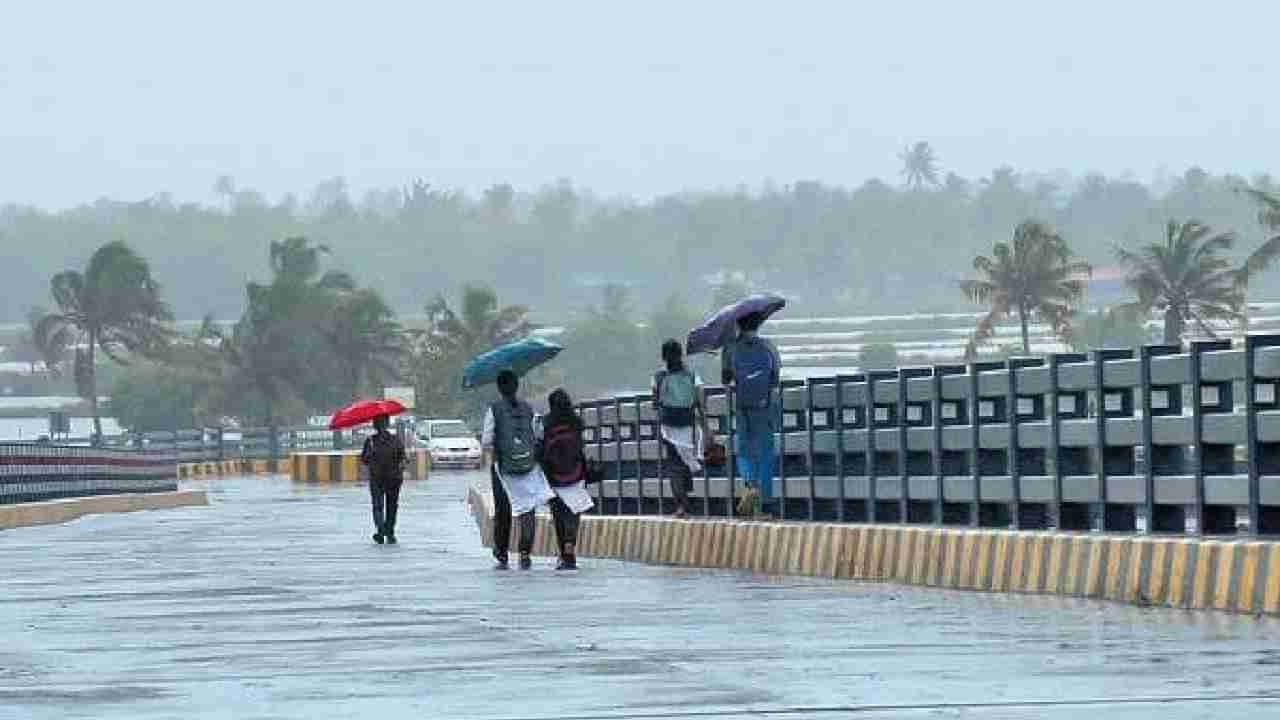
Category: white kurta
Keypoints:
(688, 442)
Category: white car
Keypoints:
(450, 443)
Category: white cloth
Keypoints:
(575, 496)
(486, 434)
(526, 492)
(688, 443)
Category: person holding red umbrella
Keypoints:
(383, 454)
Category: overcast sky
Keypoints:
(128, 99)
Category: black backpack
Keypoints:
(513, 436)
(562, 456)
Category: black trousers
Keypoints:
(566, 524)
(502, 521)
(385, 492)
(680, 475)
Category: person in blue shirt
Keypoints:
(753, 366)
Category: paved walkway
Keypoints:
(273, 603)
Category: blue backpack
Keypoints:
(753, 369)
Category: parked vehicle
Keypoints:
(450, 443)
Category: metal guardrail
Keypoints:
(146, 462)
(213, 444)
(1157, 440)
(30, 472)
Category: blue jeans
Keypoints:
(755, 449)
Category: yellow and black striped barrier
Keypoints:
(1227, 575)
(343, 466)
(224, 467)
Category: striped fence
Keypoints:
(188, 470)
(35, 472)
(344, 466)
(1159, 440)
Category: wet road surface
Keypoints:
(274, 603)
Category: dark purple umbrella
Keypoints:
(720, 326)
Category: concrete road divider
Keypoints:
(1222, 574)
(48, 512)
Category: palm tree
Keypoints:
(1034, 276)
(481, 325)
(919, 165)
(295, 263)
(450, 338)
(1188, 278)
(365, 339)
(276, 346)
(1269, 215)
(114, 306)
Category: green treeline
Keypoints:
(309, 304)
(869, 248)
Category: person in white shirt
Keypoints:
(677, 395)
(519, 485)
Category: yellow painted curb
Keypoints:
(49, 512)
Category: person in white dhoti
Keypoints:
(677, 395)
(564, 463)
(519, 487)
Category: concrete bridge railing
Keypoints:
(1154, 440)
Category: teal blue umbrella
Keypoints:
(519, 356)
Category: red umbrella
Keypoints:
(362, 411)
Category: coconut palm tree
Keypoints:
(113, 306)
(365, 339)
(1190, 280)
(481, 325)
(277, 350)
(919, 166)
(438, 352)
(1035, 276)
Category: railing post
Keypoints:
(1252, 449)
(1145, 523)
(638, 438)
(781, 455)
(906, 421)
(1170, 405)
(1013, 404)
(838, 424)
(617, 442)
(869, 460)
(904, 473)
(595, 440)
(1098, 521)
(706, 472)
(1194, 523)
(938, 472)
(731, 450)
(975, 446)
(808, 404)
